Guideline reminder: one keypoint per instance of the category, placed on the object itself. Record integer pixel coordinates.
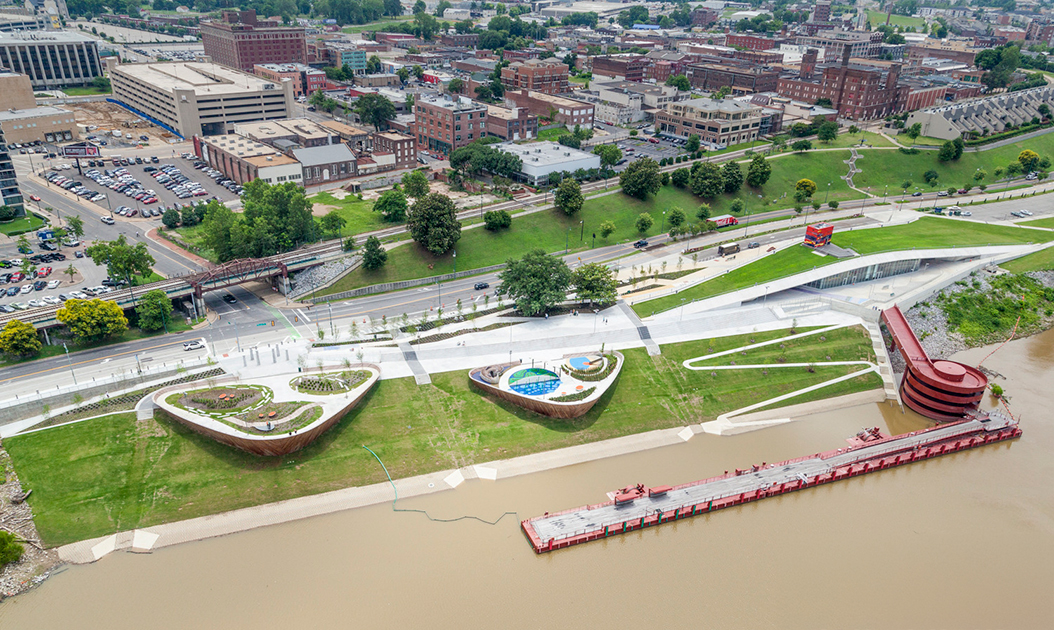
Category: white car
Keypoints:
(54, 284)
(71, 242)
(35, 304)
(193, 345)
(1026, 213)
(51, 299)
(78, 295)
(27, 289)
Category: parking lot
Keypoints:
(142, 187)
(47, 281)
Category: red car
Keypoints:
(17, 276)
(43, 272)
(34, 198)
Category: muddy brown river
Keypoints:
(962, 541)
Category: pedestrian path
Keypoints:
(642, 330)
(420, 374)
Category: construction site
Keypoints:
(103, 118)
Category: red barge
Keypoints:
(637, 507)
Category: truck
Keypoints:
(116, 133)
(727, 248)
(725, 220)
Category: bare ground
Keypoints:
(36, 563)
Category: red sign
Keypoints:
(82, 149)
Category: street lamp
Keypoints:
(663, 228)
(828, 193)
(70, 362)
(582, 235)
(455, 262)
(567, 238)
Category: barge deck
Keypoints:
(637, 507)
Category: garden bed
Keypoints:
(329, 384)
(457, 333)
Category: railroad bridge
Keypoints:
(195, 286)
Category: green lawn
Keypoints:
(377, 26)
(85, 91)
(1042, 260)
(892, 168)
(846, 140)
(921, 141)
(114, 473)
(21, 225)
(841, 344)
(1043, 223)
(359, 214)
(927, 232)
(877, 18)
(552, 134)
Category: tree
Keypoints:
(495, 220)
(737, 206)
(415, 184)
(914, 132)
(801, 146)
(732, 176)
(641, 178)
(680, 177)
(373, 64)
(170, 218)
(332, 222)
(568, 196)
(806, 185)
(758, 172)
(7, 213)
(1044, 110)
(930, 176)
(154, 310)
(10, 549)
(535, 282)
(824, 102)
(403, 74)
(643, 222)
(19, 339)
(92, 319)
(680, 82)
(827, 131)
(433, 223)
(1013, 169)
(692, 145)
(609, 154)
(456, 86)
(607, 228)
(707, 181)
(979, 174)
(595, 283)
(373, 255)
(703, 213)
(946, 152)
(122, 260)
(75, 226)
(1029, 160)
(374, 109)
(676, 217)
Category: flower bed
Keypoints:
(575, 396)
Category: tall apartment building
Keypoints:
(626, 67)
(447, 123)
(52, 59)
(241, 41)
(821, 12)
(724, 122)
(547, 76)
(194, 99)
(12, 196)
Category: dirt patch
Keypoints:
(109, 117)
(36, 563)
(321, 209)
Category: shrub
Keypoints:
(10, 549)
(495, 220)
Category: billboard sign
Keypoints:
(81, 149)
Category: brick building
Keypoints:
(460, 40)
(306, 80)
(403, 147)
(511, 124)
(714, 73)
(627, 67)
(723, 123)
(448, 123)
(864, 44)
(752, 41)
(241, 41)
(547, 76)
(558, 109)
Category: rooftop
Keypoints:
(344, 130)
(240, 146)
(547, 153)
(285, 67)
(277, 159)
(65, 37)
(203, 78)
(555, 100)
(726, 105)
(300, 127)
(35, 112)
(328, 154)
(459, 104)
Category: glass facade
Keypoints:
(864, 274)
(8, 183)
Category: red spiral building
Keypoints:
(942, 390)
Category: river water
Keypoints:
(963, 541)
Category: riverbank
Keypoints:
(36, 563)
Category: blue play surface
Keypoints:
(534, 382)
(580, 363)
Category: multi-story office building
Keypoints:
(511, 124)
(241, 41)
(306, 80)
(625, 67)
(742, 77)
(12, 196)
(341, 55)
(558, 109)
(53, 59)
(547, 76)
(22, 121)
(402, 147)
(448, 123)
(194, 99)
(722, 123)
(835, 43)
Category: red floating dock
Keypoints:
(637, 507)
